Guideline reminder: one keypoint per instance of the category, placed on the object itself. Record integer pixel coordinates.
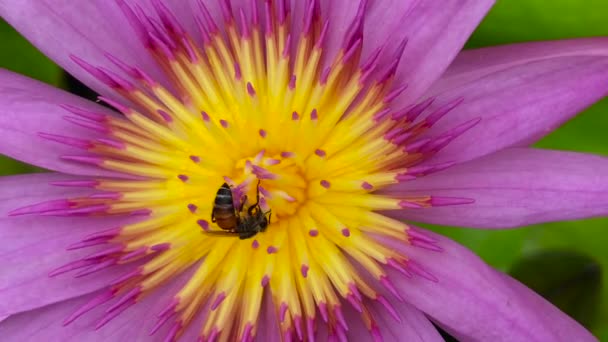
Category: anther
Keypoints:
(354, 303)
(166, 116)
(442, 111)
(75, 142)
(84, 159)
(314, 115)
(419, 108)
(282, 311)
(92, 304)
(409, 205)
(161, 247)
(389, 308)
(203, 224)
(322, 36)
(134, 254)
(448, 201)
(97, 117)
(324, 76)
(418, 270)
(250, 89)
(119, 145)
(247, 333)
(244, 25)
(390, 287)
(77, 183)
(218, 300)
(292, 82)
(304, 270)
(395, 93)
(287, 48)
(94, 126)
(237, 71)
(118, 106)
(131, 295)
(367, 186)
(323, 311)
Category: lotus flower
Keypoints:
(354, 117)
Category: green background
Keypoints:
(567, 261)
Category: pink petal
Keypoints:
(268, 329)
(29, 107)
(33, 246)
(87, 29)
(340, 14)
(134, 324)
(382, 19)
(471, 65)
(520, 99)
(436, 30)
(514, 187)
(414, 325)
(473, 302)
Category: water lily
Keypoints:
(355, 117)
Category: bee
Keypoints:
(245, 224)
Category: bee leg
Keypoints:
(243, 200)
(257, 193)
(212, 216)
(257, 200)
(247, 235)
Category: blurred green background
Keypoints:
(567, 262)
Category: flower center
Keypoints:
(282, 186)
(261, 107)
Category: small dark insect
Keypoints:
(245, 224)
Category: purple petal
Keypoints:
(340, 14)
(134, 324)
(413, 325)
(520, 100)
(382, 19)
(514, 187)
(268, 321)
(473, 302)
(86, 29)
(435, 30)
(33, 246)
(471, 65)
(29, 107)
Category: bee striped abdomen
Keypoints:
(223, 209)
